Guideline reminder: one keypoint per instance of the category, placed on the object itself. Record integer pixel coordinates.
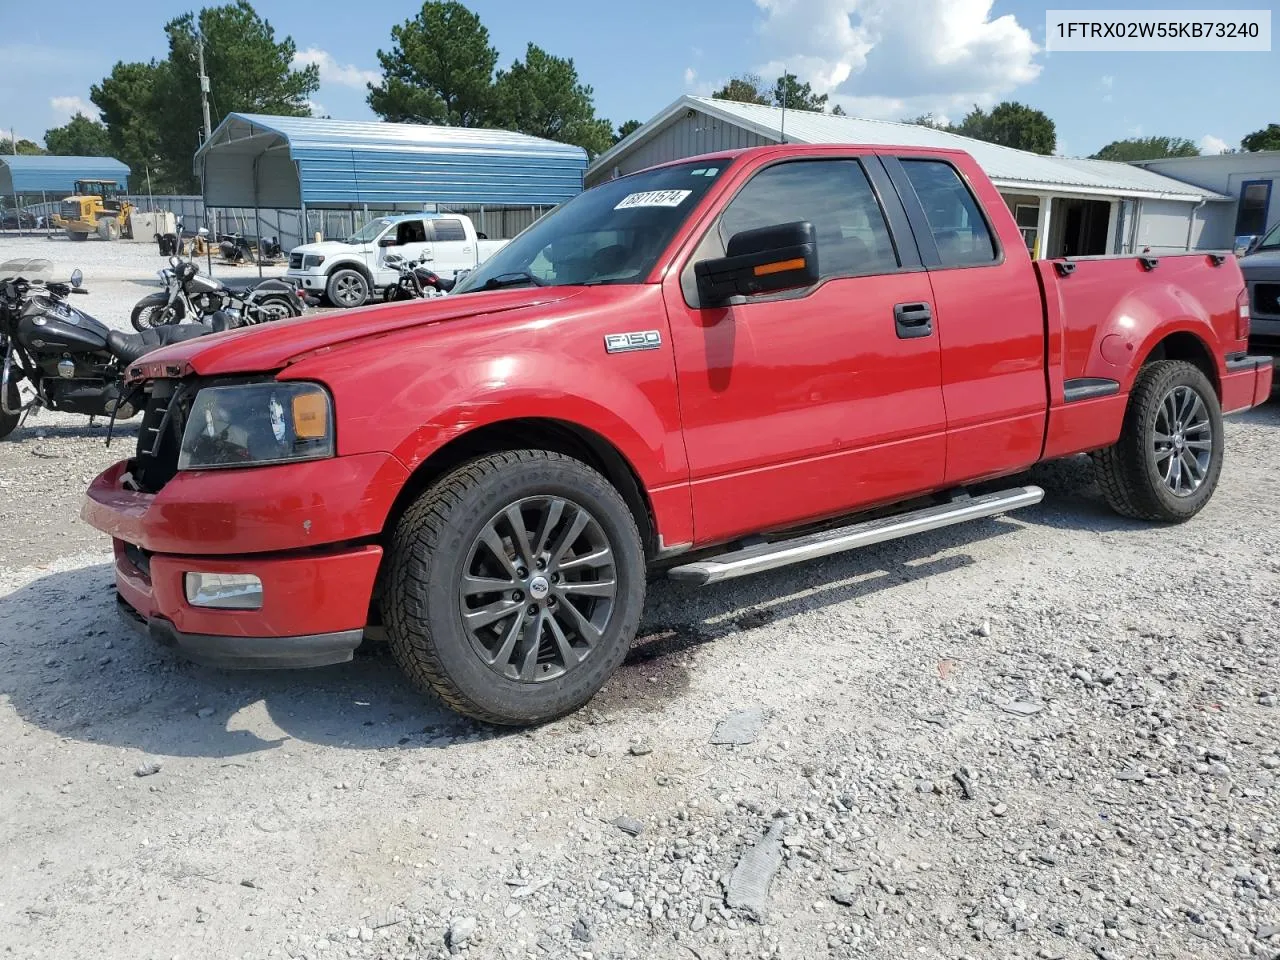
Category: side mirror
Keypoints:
(760, 261)
(387, 240)
(77, 277)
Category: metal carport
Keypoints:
(262, 164)
(42, 176)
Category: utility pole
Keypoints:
(13, 141)
(204, 88)
(782, 133)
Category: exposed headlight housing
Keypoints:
(255, 424)
(312, 260)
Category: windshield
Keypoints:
(1271, 241)
(613, 233)
(369, 231)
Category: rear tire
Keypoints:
(275, 307)
(561, 616)
(1168, 459)
(78, 237)
(347, 288)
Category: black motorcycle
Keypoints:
(234, 248)
(71, 361)
(416, 281)
(187, 293)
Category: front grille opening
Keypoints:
(160, 436)
(1266, 298)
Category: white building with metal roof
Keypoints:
(1065, 206)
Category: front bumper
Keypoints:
(314, 610)
(1246, 383)
(246, 653)
(306, 530)
(313, 281)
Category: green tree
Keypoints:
(79, 137)
(439, 69)
(152, 110)
(794, 95)
(26, 148)
(542, 96)
(626, 129)
(1147, 148)
(124, 99)
(1266, 139)
(745, 88)
(1011, 124)
(838, 111)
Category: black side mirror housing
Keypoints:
(388, 240)
(758, 261)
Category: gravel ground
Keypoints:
(1048, 735)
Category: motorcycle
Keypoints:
(269, 249)
(234, 248)
(416, 281)
(72, 362)
(188, 293)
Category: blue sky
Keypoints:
(879, 58)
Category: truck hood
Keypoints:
(272, 346)
(326, 247)
(1261, 266)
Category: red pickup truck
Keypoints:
(706, 369)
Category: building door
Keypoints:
(808, 403)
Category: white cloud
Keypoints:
(317, 108)
(1107, 98)
(897, 58)
(343, 75)
(1107, 81)
(690, 76)
(1211, 144)
(64, 108)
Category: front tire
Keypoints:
(347, 288)
(515, 586)
(9, 421)
(1168, 459)
(275, 307)
(152, 311)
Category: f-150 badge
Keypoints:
(636, 340)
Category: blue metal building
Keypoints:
(54, 176)
(320, 167)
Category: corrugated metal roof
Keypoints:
(352, 162)
(24, 174)
(1007, 167)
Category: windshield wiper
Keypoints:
(513, 279)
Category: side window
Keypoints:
(956, 222)
(411, 231)
(446, 230)
(835, 196)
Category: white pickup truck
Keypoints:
(348, 271)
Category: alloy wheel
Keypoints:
(350, 291)
(1182, 441)
(538, 589)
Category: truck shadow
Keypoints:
(75, 669)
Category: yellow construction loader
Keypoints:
(98, 206)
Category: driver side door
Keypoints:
(812, 402)
(409, 240)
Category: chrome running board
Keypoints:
(767, 556)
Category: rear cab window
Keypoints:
(959, 228)
(447, 230)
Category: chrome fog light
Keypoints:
(226, 591)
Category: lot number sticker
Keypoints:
(653, 198)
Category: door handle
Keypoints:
(913, 320)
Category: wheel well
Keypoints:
(1188, 347)
(355, 265)
(535, 434)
